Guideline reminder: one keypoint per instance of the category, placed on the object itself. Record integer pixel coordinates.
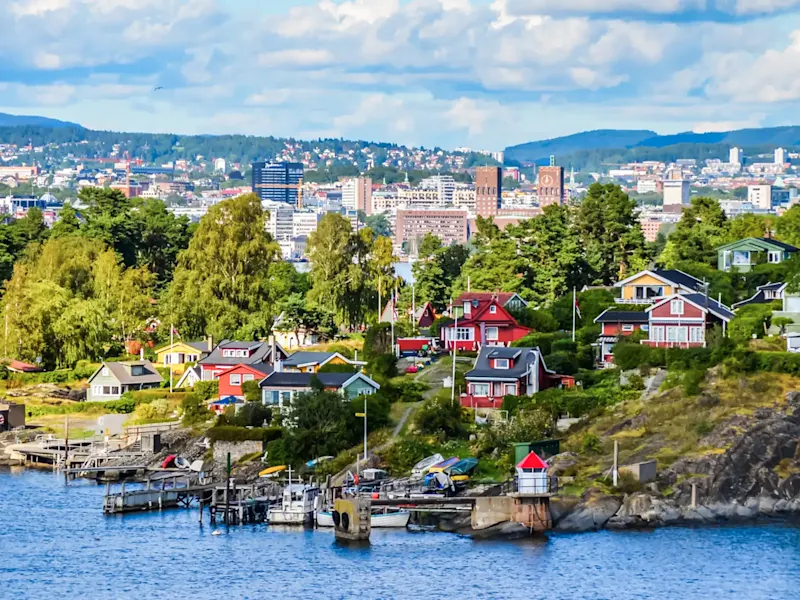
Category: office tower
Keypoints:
(279, 182)
(357, 194)
(488, 190)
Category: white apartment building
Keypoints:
(280, 224)
(676, 192)
(736, 156)
(304, 222)
(780, 156)
(647, 186)
(220, 165)
(444, 185)
(357, 194)
(760, 196)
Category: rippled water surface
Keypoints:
(56, 543)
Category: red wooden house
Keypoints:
(501, 372)
(681, 320)
(230, 382)
(230, 353)
(484, 324)
(617, 324)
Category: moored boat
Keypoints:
(296, 507)
(397, 519)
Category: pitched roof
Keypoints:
(622, 316)
(303, 380)
(122, 372)
(263, 368)
(672, 276)
(483, 369)
(260, 352)
(201, 346)
(21, 367)
(702, 302)
(785, 246)
(532, 461)
(502, 297)
(760, 242)
(307, 358)
(195, 370)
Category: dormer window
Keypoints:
(493, 309)
(467, 308)
(137, 370)
(676, 307)
(501, 363)
(104, 372)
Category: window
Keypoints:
(467, 308)
(105, 372)
(248, 377)
(657, 334)
(510, 389)
(492, 334)
(774, 256)
(697, 335)
(286, 398)
(137, 370)
(236, 379)
(677, 334)
(480, 389)
(500, 363)
(493, 309)
(627, 328)
(646, 292)
(741, 257)
(645, 328)
(309, 369)
(273, 398)
(105, 390)
(227, 353)
(465, 334)
(726, 259)
(676, 307)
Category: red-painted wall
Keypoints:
(616, 329)
(690, 311)
(227, 389)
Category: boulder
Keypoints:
(592, 513)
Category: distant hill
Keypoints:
(622, 145)
(7, 120)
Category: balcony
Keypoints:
(681, 345)
(470, 401)
(636, 301)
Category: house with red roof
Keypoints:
(508, 300)
(231, 381)
(483, 323)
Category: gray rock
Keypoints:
(591, 514)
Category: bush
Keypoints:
(403, 391)
(251, 391)
(543, 341)
(207, 390)
(252, 414)
(152, 411)
(563, 363)
(194, 410)
(564, 345)
(439, 415)
(538, 320)
(590, 444)
(382, 367)
(399, 458)
(628, 356)
(379, 338)
(230, 433)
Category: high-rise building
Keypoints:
(280, 223)
(735, 156)
(219, 165)
(279, 182)
(551, 185)
(444, 185)
(780, 156)
(760, 196)
(449, 225)
(357, 194)
(676, 189)
(488, 190)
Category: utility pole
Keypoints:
(574, 305)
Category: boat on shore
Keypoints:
(426, 463)
(395, 519)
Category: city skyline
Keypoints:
(440, 72)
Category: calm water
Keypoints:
(56, 543)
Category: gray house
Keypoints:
(280, 388)
(113, 379)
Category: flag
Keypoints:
(578, 308)
(394, 306)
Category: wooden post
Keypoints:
(615, 472)
(66, 450)
(694, 495)
(227, 488)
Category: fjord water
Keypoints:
(56, 543)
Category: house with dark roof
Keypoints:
(312, 362)
(682, 320)
(232, 380)
(473, 301)
(280, 388)
(743, 255)
(484, 324)
(647, 286)
(113, 379)
(616, 324)
(230, 353)
(764, 295)
(499, 372)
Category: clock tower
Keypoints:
(551, 185)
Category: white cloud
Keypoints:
(298, 57)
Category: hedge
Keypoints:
(82, 370)
(228, 433)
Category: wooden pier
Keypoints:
(167, 493)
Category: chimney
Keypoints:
(273, 351)
(278, 366)
(210, 342)
(141, 353)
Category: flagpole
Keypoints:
(414, 307)
(574, 306)
(455, 349)
(394, 299)
(171, 352)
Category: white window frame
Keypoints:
(774, 257)
(645, 328)
(501, 363)
(676, 306)
(465, 334)
(227, 353)
(512, 391)
(492, 337)
(493, 309)
(628, 328)
(482, 390)
(248, 377)
(238, 377)
(657, 334)
(467, 308)
(677, 334)
(104, 372)
(697, 334)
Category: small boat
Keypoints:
(445, 464)
(182, 463)
(426, 463)
(313, 463)
(272, 471)
(169, 462)
(466, 466)
(395, 520)
(296, 507)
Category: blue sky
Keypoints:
(480, 73)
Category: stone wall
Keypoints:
(237, 451)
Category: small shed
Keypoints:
(532, 475)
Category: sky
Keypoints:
(479, 73)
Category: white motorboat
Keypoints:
(296, 507)
(397, 519)
(426, 463)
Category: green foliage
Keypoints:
(436, 270)
(540, 320)
(206, 390)
(701, 230)
(401, 456)
(155, 411)
(750, 320)
(229, 433)
(194, 410)
(251, 391)
(543, 341)
(590, 444)
(440, 416)
(252, 414)
(382, 367)
(378, 340)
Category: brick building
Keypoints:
(488, 190)
(551, 185)
(449, 225)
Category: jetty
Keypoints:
(171, 491)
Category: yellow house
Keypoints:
(312, 362)
(646, 286)
(181, 354)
